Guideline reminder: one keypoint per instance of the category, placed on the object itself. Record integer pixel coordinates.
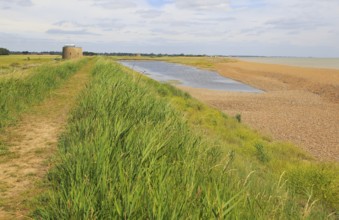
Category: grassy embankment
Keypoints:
(19, 93)
(135, 148)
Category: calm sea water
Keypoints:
(330, 63)
(187, 76)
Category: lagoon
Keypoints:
(187, 76)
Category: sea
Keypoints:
(328, 63)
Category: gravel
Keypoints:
(301, 105)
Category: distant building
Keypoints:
(70, 51)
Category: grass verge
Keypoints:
(135, 148)
(16, 94)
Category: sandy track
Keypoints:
(301, 105)
(32, 143)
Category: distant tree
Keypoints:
(4, 51)
(87, 53)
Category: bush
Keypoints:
(4, 51)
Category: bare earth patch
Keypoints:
(301, 105)
(32, 142)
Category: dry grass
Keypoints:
(19, 65)
(33, 141)
(21, 60)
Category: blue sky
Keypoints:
(214, 27)
(158, 3)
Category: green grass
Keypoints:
(138, 149)
(24, 60)
(14, 65)
(17, 94)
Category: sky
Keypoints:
(307, 28)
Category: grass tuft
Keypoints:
(261, 154)
(238, 117)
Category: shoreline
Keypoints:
(300, 105)
(307, 62)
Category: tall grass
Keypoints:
(16, 94)
(128, 154)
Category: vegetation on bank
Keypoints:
(199, 61)
(17, 94)
(135, 148)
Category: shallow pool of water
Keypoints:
(187, 76)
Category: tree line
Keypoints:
(4, 51)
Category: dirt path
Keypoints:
(301, 105)
(32, 143)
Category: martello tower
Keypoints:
(70, 51)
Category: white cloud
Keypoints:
(116, 4)
(199, 24)
(149, 13)
(203, 4)
(69, 32)
(5, 4)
